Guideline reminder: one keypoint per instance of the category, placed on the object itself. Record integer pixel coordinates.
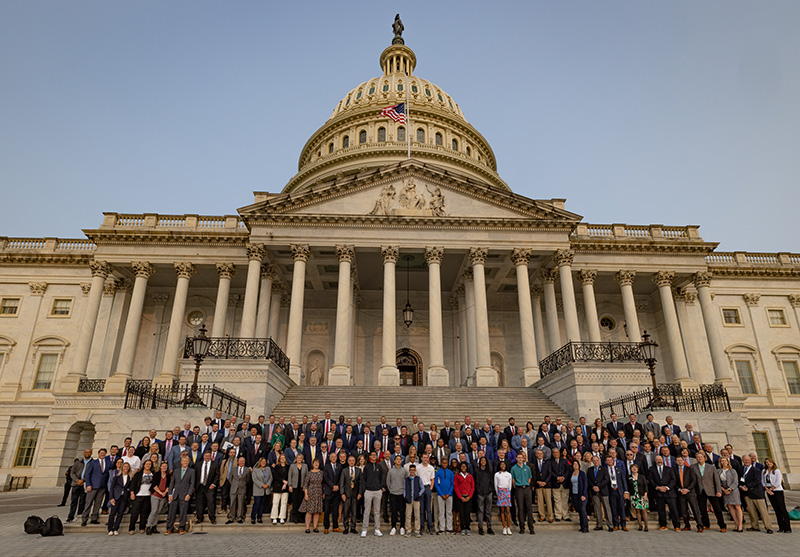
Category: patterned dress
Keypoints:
(637, 502)
(314, 486)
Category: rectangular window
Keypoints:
(9, 306)
(745, 372)
(776, 317)
(763, 448)
(45, 371)
(26, 447)
(731, 316)
(792, 372)
(2, 359)
(61, 306)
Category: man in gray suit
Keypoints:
(181, 489)
(651, 426)
(239, 479)
(350, 488)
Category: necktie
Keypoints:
(183, 471)
(240, 471)
(205, 473)
(102, 466)
(681, 474)
(660, 471)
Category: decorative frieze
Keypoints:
(751, 299)
(317, 327)
(433, 255)
(38, 288)
(226, 270)
(587, 276)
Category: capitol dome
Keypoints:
(356, 138)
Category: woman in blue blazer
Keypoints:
(579, 493)
(118, 497)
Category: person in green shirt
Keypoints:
(521, 477)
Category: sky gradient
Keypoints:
(680, 112)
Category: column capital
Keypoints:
(38, 288)
(477, 256)
(548, 276)
(226, 270)
(300, 252)
(269, 271)
(345, 253)
(537, 291)
(625, 278)
(454, 302)
(389, 254)
(663, 278)
(85, 288)
(100, 268)
(433, 255)
(143, 269)
(256, 252)
(520, 256)
(184, 270)
(111, 287)
(794, 299)
(161, 299)
(703, 278)
(684, 295)
(751, 299)
(460, 290)
(468, 275)
(563, 257)
(588, 276)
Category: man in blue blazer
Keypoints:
(174, 457)
(617, 492)
(95, 482)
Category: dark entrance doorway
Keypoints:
(410, 365)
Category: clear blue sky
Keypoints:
(680, 112)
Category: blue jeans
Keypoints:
(258, 507)
(425, 509)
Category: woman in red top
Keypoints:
(464, 487)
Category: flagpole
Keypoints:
(408, 119)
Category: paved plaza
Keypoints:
(15, 507)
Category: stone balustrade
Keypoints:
(628, 232)
(184, 222)
(46, 245)
(753, 260)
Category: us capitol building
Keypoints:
(505, 291)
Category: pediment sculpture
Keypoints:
(410, 201)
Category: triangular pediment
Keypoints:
(408, 190)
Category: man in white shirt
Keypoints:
(426, 473)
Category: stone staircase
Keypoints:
(429, 404)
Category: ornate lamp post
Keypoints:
(200, 346)
(408, 311)
(648, 348)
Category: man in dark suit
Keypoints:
(254, 450)
(617, 492)
(367, 438)
(207, 474)
(614, 427)
(181, 489)
(669, 460)
(311, 450)
(216, 435)
(711, 457)
(313, 431)
(325, 425)
(686, 486)
(670, 429)
(165, 447)
(245, 425)
(598, 489)
(96, 482)
(752, 489)
(349, 439)
(330, 485)
(396, 429)
(381, 428)
(662, 486)
(632, 426)
(542, 479)
(510, 431)
(350, 489)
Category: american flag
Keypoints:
(396, 112)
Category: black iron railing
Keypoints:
(591, 352)
(143, 396)
(708, 398)
(242, 348)
(91, 385)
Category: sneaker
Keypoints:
(111, 533)
(378, 533)
(116, 532)
(274, 520)
(283, 521)
(393, 531)
(419, 535)
(363, 533)
(402, 531)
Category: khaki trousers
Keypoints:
(545, 503)
(756, 507)
(413, 506)
(561, 503)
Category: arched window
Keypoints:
(330, 148)
(420, 135)
(401, 134)
(455, 145)
(346, 142)
(362, 136)
(400, 87)
(469, 151)
(372, 90)
(358, 96)
(381, 135)
(385, 87)
(438, 138)
(414, 88)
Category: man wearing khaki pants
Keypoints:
(752, 488)
(559, 468)
(544, 492)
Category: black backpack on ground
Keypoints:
(53, 527)
(34, 525)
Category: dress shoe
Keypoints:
(199, 520)
(624, 528)
(616, 528)
(723, 530)
(480, 532)
(213, 521)
(662, 527)
(83, 523)
(168, 532)
(240, 521)
(229, 521)
(62, 505)
(94, 522)
(597, 528)
(610, 529)
(260, 521)
(522, 530)
(769, 531)
(531, 532)
(687, 528)
(699, 530)
(338, 530)
(346, 531)
(753, 530)
(490, 532)
(316, 530)
(182, 532)
(325, 531)
(677, 529)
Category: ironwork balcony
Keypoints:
(143, 396)
(708, 398)
(226, 348)
(591, 352)
(91, 385)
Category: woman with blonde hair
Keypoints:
(729, 479)
(262, 487)
(773, 485)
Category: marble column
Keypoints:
(538, 324)
(625, 281)
(485, 374)
(588, 277)
(255, 254)
(268, 274)
(389, 375)
(225, 272)
(680, 371)
(722, 367)
(294, 340)
(275, 312)
(548, 277)
(530, 363)
(438, 376)
(463, 336)
(130, 336)
(340, 374)
(100, 271)
(563, 258)
(460, 341)
(472, 344)
(175, 338)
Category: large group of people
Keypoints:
(419, 480)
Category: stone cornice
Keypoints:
(765, 272)
(633, 247)
(78, 260)
(166, 237)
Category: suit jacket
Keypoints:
(289, 433)
(238, 483)
(321, 426)
(213, 473)
(598, 478)
(543, 475)
(621, 477)
(216, 437)
(349, 444)
(445, 451)
(317, 434)
(560, 468)
(751, 479)
(687, 436)
(369, 440)
(307, 454)
(378, 432)
(614, 429)
(174, 458)
(165, 447)
(709, 481)
(94, 477)
(181, 487)
(666, 479)
(330, 477)
(119, 488)
(654, 427)
(350, 486)
(676, 430)
(253, 453)
(630, 428)
(690, 479)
